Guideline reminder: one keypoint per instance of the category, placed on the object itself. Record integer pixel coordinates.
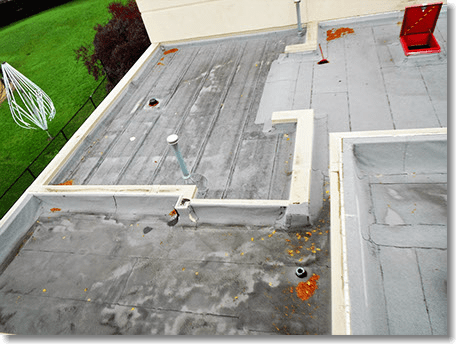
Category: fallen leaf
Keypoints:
(307, 289)
(170, 51)
(337, 33)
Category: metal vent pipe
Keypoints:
(173, 142)
(298, 14)
(188, 178)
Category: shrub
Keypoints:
(117, 45)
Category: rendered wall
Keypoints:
(175, 20)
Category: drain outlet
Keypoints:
(153, 102)
(301, 272)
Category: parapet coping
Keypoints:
(299, 187)
(340, 303)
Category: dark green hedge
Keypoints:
(14, 10)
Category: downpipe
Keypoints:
(298, 15)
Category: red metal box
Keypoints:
(417, 32)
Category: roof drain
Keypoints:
(153, 102)
(187, 178)
(301, 272)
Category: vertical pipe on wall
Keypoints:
(298, 14)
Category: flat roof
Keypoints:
(393, 208)
(91, 274)
(101, 274)
(208, 93)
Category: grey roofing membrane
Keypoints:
(90, 274)
(208, 94)
(219, 96)
(95, 274)
(400, 185)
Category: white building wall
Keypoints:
(177, 20)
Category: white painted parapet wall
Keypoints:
(180, 20)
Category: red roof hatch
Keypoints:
(418, 28)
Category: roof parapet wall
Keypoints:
(180, 20)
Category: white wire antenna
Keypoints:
(33, 108)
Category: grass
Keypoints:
(42, 48)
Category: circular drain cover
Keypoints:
(301, 272)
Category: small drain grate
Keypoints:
(301, 272)
(153, 102)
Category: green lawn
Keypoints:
(42, 48)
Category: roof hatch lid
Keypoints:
(420, 19)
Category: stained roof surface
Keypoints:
(93, 274)
(90, 274)
(208, 94)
